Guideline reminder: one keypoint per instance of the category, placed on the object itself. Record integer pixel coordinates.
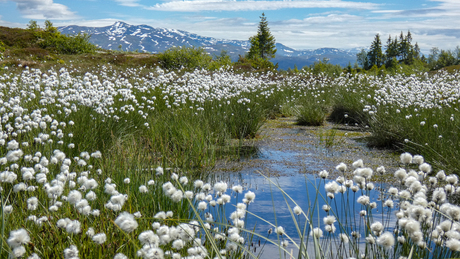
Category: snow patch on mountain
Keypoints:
(145, 38)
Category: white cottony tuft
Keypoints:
(126, 222)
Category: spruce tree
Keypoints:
(375, 54)
(263, 44)
(404, 47)
(391, 52)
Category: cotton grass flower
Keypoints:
(317, 233)
(425, 168)
(237, 188)
(73, 227)
(18, 251)
(297, 210)
(341, 167)
(18, 237)
(400, 174)
(159, 170)
(358, 163)
(149, 238)
(323, 174)
(330, 228)
(90, 232)
(329, 220)
(202, 205)
(393, 191)
(418, 159)
(387, 240)
(143, 189)
(198, 184)
(99, 238)
(279, 230)
(331, 187)
(364, 200)
(370, 239)
(344, 238)
(220, 187)
(453, 244)
(178, 244)
(91, 196)
(71, 252)
(126, 222)
(249, 197)
(177, 196)
(406, 158)
(8, 209)
(120, 256)
(377, 228)
(439, 196)
(32, 203)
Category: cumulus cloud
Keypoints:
(229, 5)
(44, 9)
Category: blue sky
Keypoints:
(300, 24)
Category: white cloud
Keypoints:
(443, 9)
(129, 3)
(339, 28)
(44, 9)
(229, 5)
(11, 24)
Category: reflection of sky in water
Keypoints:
(302, 188)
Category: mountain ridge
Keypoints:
(145, 38)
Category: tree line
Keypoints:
(401, 51)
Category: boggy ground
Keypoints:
(283, 148)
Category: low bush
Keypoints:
(184, 57)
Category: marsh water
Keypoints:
(291, 156)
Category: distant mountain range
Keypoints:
(145, 38)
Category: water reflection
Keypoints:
(290, 166)
(273, 206)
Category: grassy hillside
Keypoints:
(43, 49)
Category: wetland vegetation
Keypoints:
(106, 155)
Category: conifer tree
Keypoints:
(391, 52)
(263, 44)
(375, 54)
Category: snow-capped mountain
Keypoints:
(145, 38)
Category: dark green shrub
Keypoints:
(222, 60)
(184, 57)
(323, 67)
(254, 63)
(62, 44)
